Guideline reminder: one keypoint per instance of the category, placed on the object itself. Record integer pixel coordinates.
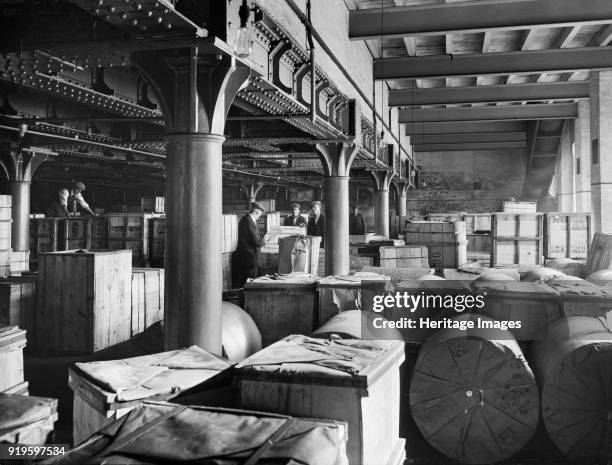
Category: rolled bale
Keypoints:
(601, 277)
(541, 274)
(574, 370)
(473, 395)
(240, 335)
(514, 274)
(567, 266)
(356, 324)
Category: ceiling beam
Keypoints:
(470, 146)
(482, 127)
(495, 64)
(467, 17)
(477, 137)
(489, 94)
(498, 113)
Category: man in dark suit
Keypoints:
(295, 219)
(316, 223)
(246, 257)
(356, 221)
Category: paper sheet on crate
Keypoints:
(145, 376)
(297, 354)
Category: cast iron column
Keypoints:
(381, 201)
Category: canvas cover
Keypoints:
(149, 375)
(159, 432)
(18, 411)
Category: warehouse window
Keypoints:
(577, 165)
(595, 151)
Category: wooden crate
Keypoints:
(567, 235)
(445, 217)
(365, 238)
(534, 304)
(21, 389)
(83, 302)
(341, 293)
(5, 234)
(19, 262)
(407, 256)
(5, 263)
(477, 222)
(73, 233)
(18, 302)
(517, 239)
(27, 420)
(427, 232)
(230, 233)
(12, 343)
(283, 306)
(130, 231)
(43, 236)
(268, 262)
(98, 230)
(5, 207)
(98, 401)
(153, 204)
(268, 221)
(522, 226)
(600, 254)
(366, 395)
(147, 298)
(226, 263)
(479, 243)
(520, 207)
(213, 435)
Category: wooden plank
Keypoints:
(12, 343)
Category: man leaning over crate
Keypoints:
(246, 257)
(59, 207)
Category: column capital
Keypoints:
(21, 163)
(401, 187)
(338, 157)
(382, 179)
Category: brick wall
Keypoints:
(451, 178)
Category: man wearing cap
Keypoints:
(65, 197)
(356, 221)
(246, 257)
(295, 219)
(316, 223)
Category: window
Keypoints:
(577, 165)
(595, 151)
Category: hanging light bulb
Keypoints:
(243, 46)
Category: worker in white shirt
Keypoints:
(65, 197)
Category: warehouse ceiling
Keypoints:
(470, 75)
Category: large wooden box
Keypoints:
(83, 302)
(578, 297)
(5, 234)
(12, 343)
(44, 235)
(477, 222)
(567, 235)
(267, 221)
(283, 306)
(18, 302)
(130, 231)
(341, 293)
(405, 256)
(147, 298)
(479, 243)
(27, 420)
(518, 226)
(520, 207)
(160, 432)
(105, 391)
(355, 381)
(535, 305)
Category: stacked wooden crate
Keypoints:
(406, 256)
(446, 217)
(20, 261)
(98, 230)
(5, 235)
(396, 225)
(18, 302)
(153, 204)
(147, 298)
(130, 231)
(12, 343)
(478, 231)
(83, 302)
(517, 239)
(567, 235)
(520, 207)
(44, 235)
(446, 242)
(157, 226)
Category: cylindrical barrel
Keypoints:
(473, 395)
(574, 370)
(358, 324)
(240, 337)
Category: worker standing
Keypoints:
(356, 221)
(67, 195)
(295, 219)
(246, 257)
(316, 223)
